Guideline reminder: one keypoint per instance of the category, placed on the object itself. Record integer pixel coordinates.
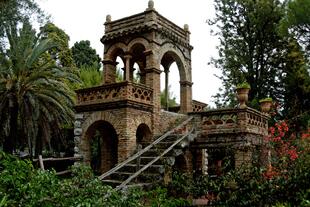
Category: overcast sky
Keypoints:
(84, 19)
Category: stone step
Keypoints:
(146, 159)
(155, 168)
(164, 144)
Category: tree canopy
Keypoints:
(62, 53)
(254, 50)
(85, 55)
(250, 47)
(297, 22)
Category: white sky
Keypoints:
(83, 20)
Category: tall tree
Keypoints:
(250, 48)
(296, 81)
(85, 55)
(62, 53)
(297, 22)
(15, 12)
(34, 97)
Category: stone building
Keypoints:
(116, 117)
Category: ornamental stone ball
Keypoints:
(108, 18)
(186, 27)
(151, 4)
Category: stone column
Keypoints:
(127, 67)
(167, 87)
(186, 97)
(152, 80)
(109, 72)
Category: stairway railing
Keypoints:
(121, 186)
(138, 154)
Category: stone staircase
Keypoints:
(147, 166)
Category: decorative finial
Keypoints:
(186, 27)
(151, 5)
(108, 18)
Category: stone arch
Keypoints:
(101, 146)
(137, 49)
(109, 63)
(138, 40)
(171, 50)
(143, 135)
(169, 54)
(115, 49)
(96, 117)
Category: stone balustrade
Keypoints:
(231, 121)
(198, 106)
(115, 92)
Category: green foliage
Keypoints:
(85, 55)
(243, 85)
(297, 22)
(159, 197)
(35, 98)
(249, 49)
(296, 106)
(62, 54)
(90, 76)
(16, 12)
(22, 185)
(171, 98)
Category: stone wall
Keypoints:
(169, 120)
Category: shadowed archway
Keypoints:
(103, 145)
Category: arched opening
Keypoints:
(103, 144)
(143, 135)
(138, 61)
(136, 73)
(114, 64)
(173, 74)
(120, 70)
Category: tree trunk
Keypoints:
(10, 141)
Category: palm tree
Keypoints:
(35, 100)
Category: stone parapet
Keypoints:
(115, 92)
(143, 22)
(198, 106)
(232, 121)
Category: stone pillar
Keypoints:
(167, 87)
(79, 118)
(152, 80)
(109, 71)
(186, 97)
(243, 157)
(127, 67)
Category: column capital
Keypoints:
(148, 52)
(153, 70)
(186, 83)
(109, 62)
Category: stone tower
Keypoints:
(115, 116)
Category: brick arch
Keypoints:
(101, 116)
(109, 146)
(179, 58)
(111, 52)
(139, 40)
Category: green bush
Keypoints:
(22, 185)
